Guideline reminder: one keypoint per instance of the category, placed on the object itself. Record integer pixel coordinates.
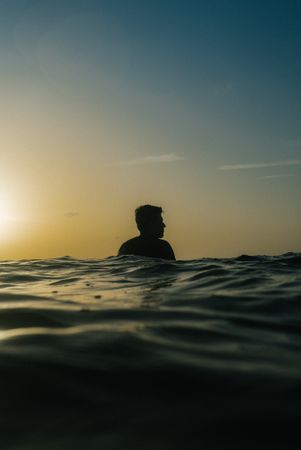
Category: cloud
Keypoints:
(290, 162)
(278, 176)
(168, 158)
(71, 214)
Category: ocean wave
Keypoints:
(118, 352)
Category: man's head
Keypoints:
(149, 221)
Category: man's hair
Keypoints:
(146, 214)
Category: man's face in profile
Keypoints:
(157, 227)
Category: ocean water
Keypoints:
(141, 353)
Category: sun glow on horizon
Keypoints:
(8, 219)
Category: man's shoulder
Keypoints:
(167, 248)
(131, 241)
(128, 244)
(164, 243)
(140, 246)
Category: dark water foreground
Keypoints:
(132, 353)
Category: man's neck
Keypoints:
(147, 236)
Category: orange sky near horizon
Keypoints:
(100, 115)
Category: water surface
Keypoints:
(142, 353)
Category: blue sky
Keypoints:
(230, 58)
(206, 95)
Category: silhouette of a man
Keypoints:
(151, 226)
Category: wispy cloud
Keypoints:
(278, 176)
(290, 162)
(168, 158)
(71, 214)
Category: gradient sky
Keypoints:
(190, 105)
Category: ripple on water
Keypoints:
(117, 352)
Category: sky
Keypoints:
(193, 106)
